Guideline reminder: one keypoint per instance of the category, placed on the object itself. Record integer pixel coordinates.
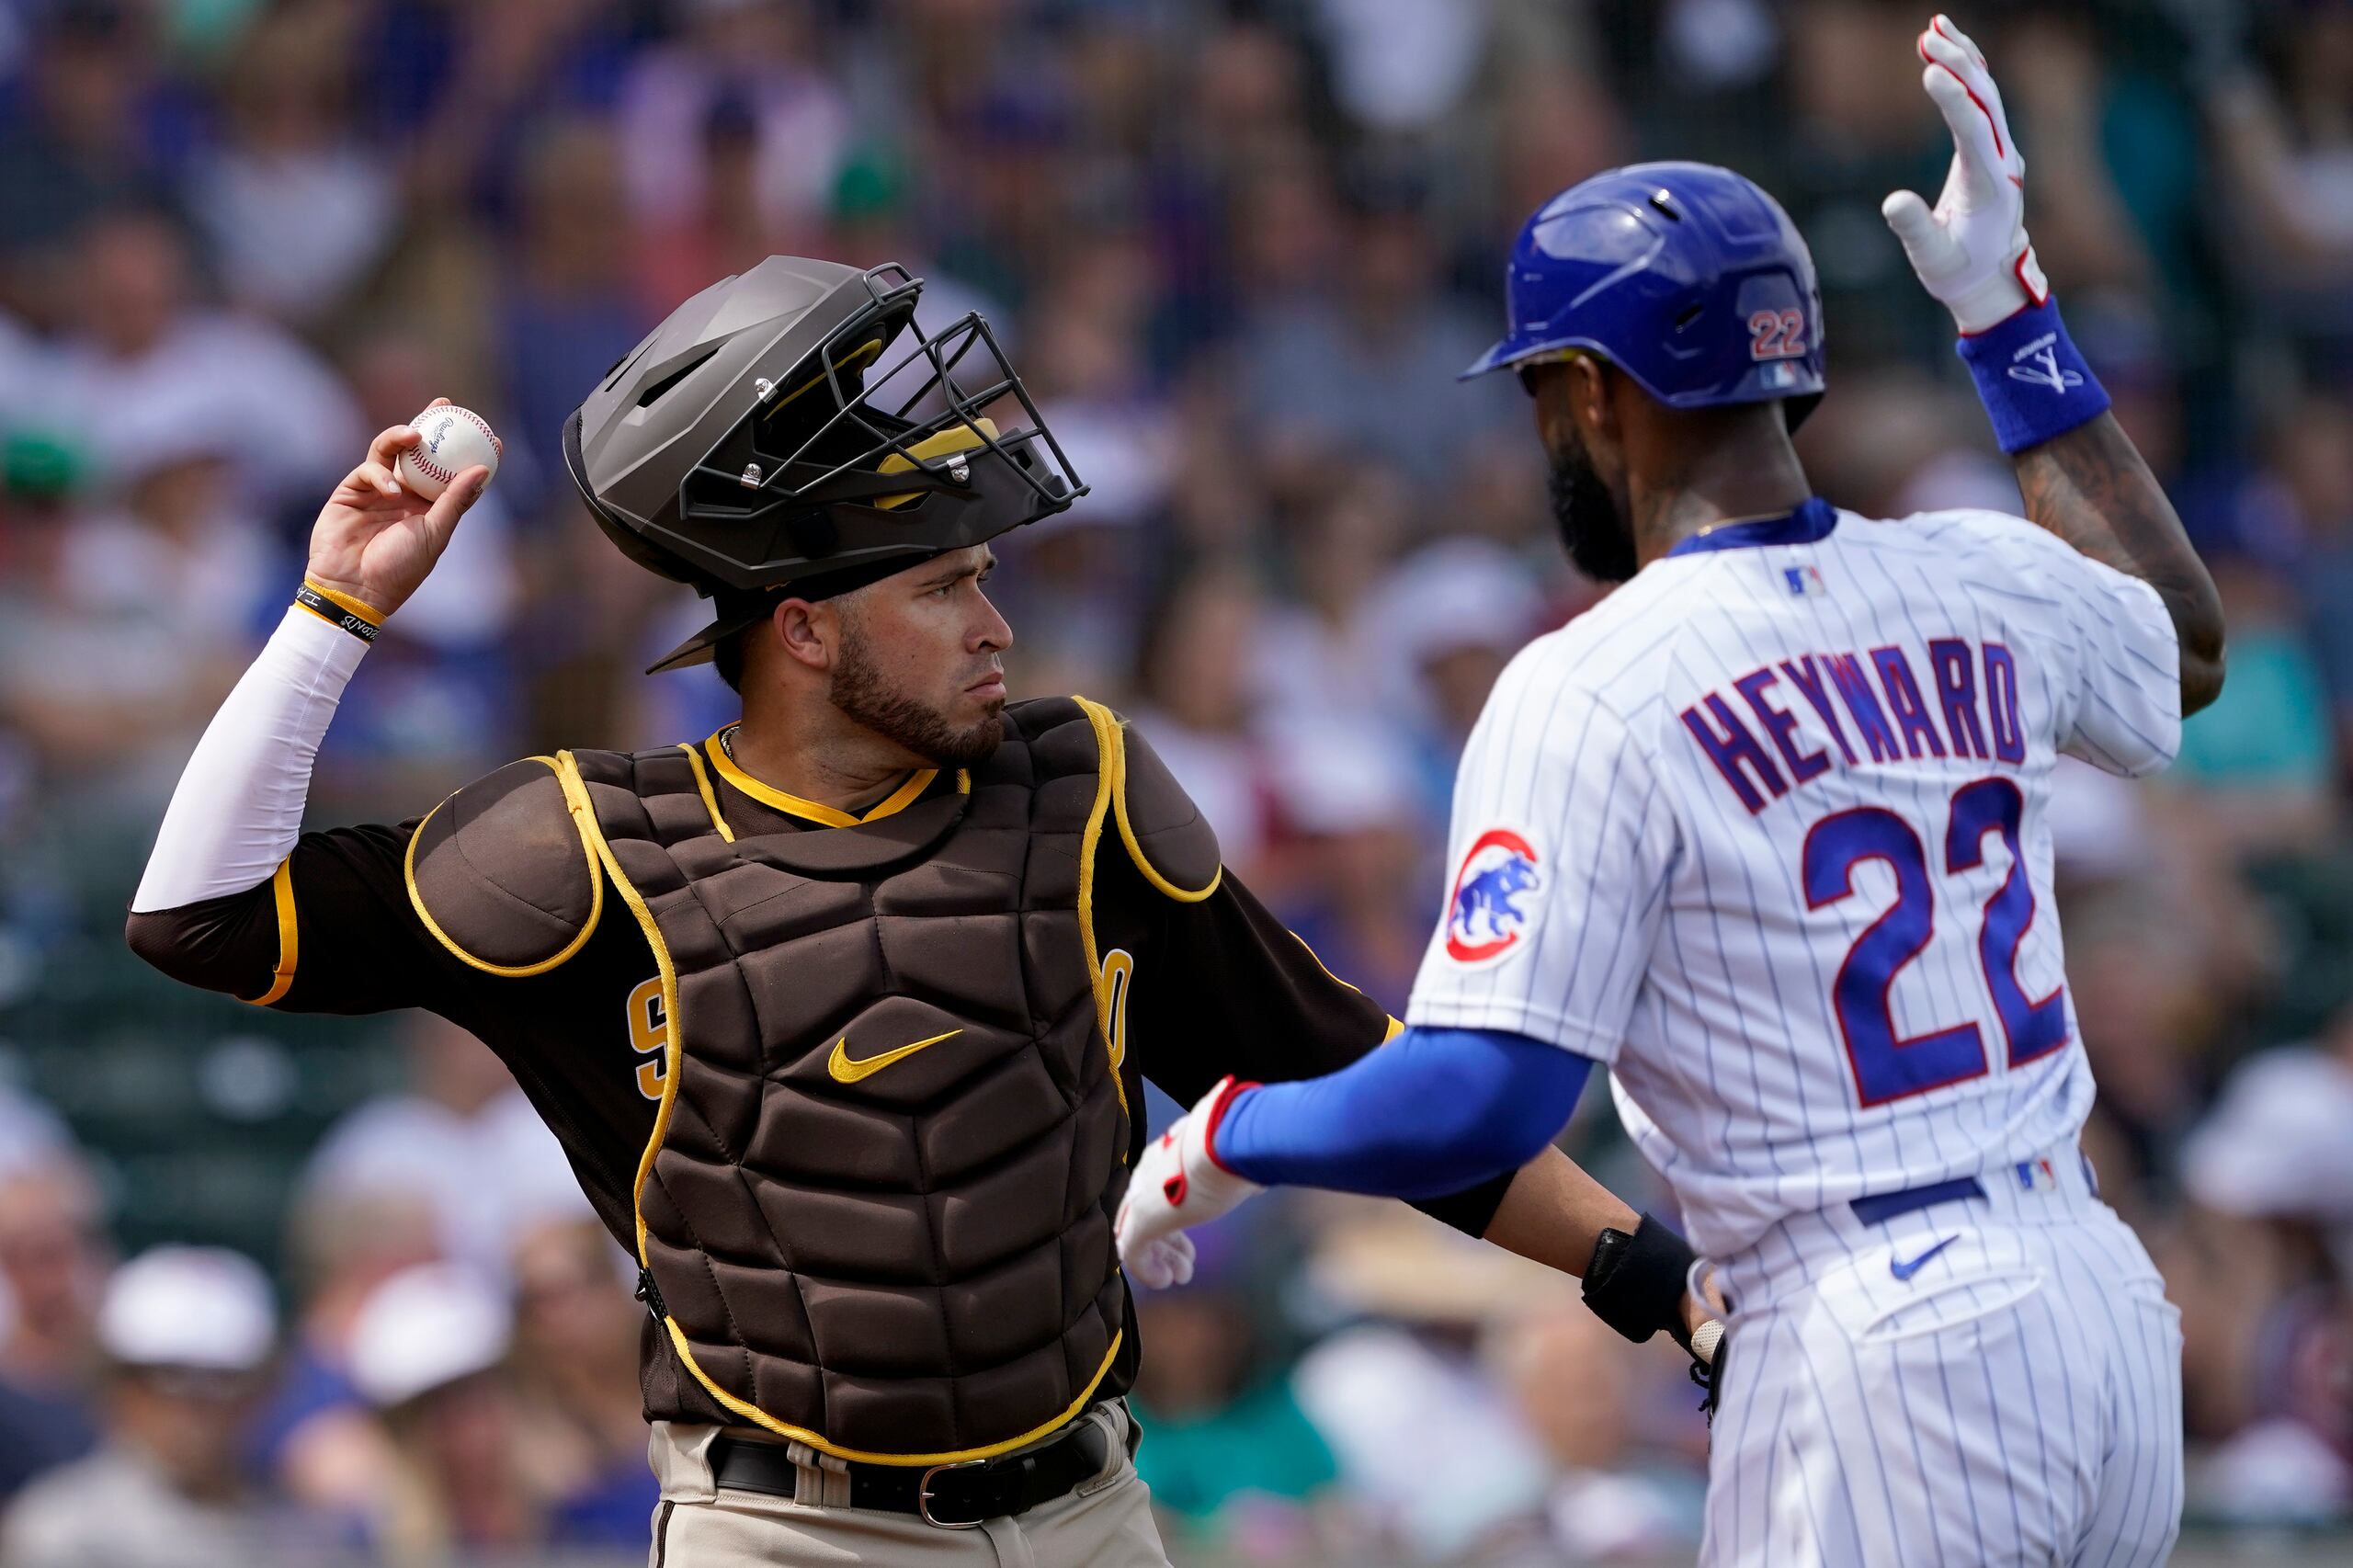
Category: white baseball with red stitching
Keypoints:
(455, 440)
(1178, 1183)
(1970, 249)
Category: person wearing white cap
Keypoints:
(427, 1349)
(186, 1336)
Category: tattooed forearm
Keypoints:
(2091, 488)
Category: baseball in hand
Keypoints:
(455, 440)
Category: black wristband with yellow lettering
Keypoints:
(361, 620)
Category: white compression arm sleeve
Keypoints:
(238, 809)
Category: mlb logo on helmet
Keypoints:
(1492, 906)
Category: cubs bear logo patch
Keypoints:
(1497, 891)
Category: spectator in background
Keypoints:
(568, 312)
(54, 1259)
(731, 139)
(1450, 616)
(316, 1437)
(1617, 1496)
(187, 1334)
(575, 1367)
(1193, 655)
(2267, 1287)
(1431, 1447)
(462, 1137)
(1072, 582)
(140, 342)
(174, 514)
(2284, 138)
(1227, 1449)
(44, 1420)
(1846, 131)
(2307, 487)
(1323, 653)
(1364, 892)
(2263, 755)
(93, 125)
(427, 1351)
(1401, 65)
(294, 207)
(1368, 364)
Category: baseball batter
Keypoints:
(839, 1013)
(1765, 833)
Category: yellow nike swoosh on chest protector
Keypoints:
(844, 1071)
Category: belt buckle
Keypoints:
(924, 1494)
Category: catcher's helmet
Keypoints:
(1685, 276)
(775, 430)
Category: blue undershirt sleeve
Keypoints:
(1433, 1111)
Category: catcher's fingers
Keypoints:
(371, 480)
(390, 443)
(442, 517)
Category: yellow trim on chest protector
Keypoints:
(817, 812)
(1106, 747)
(1117, 760)
(509, 971)
(576, 791)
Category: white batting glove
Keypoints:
(1178, 1183)
(1970, 249)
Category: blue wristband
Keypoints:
(2034, 384)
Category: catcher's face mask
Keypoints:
(789, 430)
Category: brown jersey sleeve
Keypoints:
(1222, 986)
(494, 881)
(331, 932)
(483, 911)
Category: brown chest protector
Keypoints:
(876, 1209)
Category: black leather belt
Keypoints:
(953, 1497)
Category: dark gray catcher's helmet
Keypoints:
(778, 430)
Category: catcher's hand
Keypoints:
(1178, 1183)
(1970, 249)
(376, 539)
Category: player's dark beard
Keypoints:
(858, 691)
(1586, 514)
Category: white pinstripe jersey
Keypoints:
(1764, 831)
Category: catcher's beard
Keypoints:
(1598, 541)
(861, 692)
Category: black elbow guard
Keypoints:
(1636, 1283)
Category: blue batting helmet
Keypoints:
(1685, 276)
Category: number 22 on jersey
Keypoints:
(1888, 1066)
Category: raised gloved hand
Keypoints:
(1178, 1183)
(1970, 249)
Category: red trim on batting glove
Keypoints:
(1227, 1092)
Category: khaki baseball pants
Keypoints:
(1105, 1522)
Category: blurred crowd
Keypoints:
(1238, 249)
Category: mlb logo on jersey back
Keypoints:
(1804, 581)
(1498, 892)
